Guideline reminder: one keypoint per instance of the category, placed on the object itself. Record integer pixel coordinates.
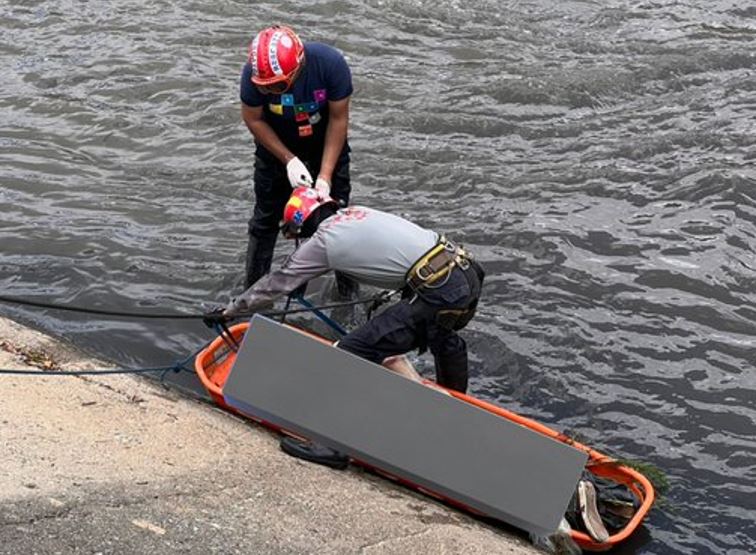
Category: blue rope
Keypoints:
(176, 368)
(326, 319)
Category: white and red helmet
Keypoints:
(276, 55)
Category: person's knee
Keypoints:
(391, 332)
(356, 347)
(268, 210)
(263, 229)
(447, 345)
(266, 218)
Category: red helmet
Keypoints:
(276, 55)
(302, 203)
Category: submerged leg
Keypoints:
(451, 363)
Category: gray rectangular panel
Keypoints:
(415, 432)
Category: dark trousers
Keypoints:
(413, 323)
(272, 191)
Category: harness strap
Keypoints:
(436, 264)
(458, 318)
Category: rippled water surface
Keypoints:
(597, 156)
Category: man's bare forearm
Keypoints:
(264, 134)
(336, 134)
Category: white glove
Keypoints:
(323, 188)
(299, 175)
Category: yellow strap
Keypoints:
(420, 264)
(428, 278)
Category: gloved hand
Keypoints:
(323, 187)
(214, 315)
(233, 308)
(299, 175)
(243, 307)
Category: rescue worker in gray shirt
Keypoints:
(440, 282)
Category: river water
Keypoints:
(598, 157)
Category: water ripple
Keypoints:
(597, 157)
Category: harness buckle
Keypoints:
(420, 272)
(440, 261)
(462, 262)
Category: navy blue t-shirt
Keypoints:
(300, 115)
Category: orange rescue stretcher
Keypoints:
(214, 363)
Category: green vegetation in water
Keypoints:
(655, 475)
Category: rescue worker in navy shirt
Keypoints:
(439, 280)
(295, 102)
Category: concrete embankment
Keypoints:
(118, 464)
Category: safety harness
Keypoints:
(436, 264)
(432, 270)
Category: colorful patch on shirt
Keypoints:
(287, 99)
(305, 130)
(301, 116)
(319, 95)
(313, 107)
(276, 108)
(314, 118)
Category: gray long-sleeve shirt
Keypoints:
(370, 246)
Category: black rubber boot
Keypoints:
(259, 258)
(314, 452)
(451, 371)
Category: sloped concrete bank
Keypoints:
(118, 464)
